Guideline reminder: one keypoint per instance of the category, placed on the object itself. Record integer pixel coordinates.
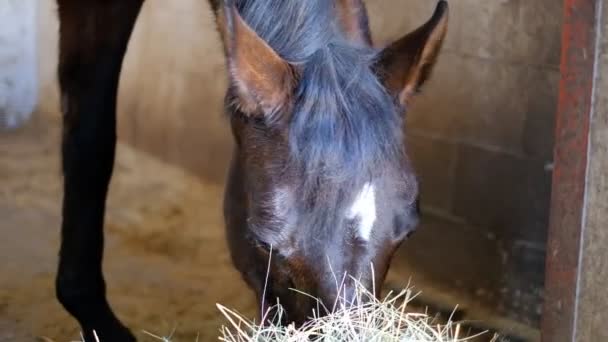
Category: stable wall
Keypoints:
(481, 134)
(18, 81)
(481, 137)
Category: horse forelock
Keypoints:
(345, 129)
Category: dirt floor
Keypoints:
(166, 261)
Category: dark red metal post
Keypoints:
(569, 175)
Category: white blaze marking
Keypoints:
(364, 209)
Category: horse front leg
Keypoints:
(93, 38)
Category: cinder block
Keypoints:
(481, 103)
(541, 32)
(434, 161)
(523, 281)
(514, 31)
(509, 195)
(539, 128)
(455, 256)
(508, 278)
(390, 20)
(518, 31)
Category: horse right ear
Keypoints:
(262, 80)
(406, 64)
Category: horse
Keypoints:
(320, 186)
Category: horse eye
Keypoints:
(404, 226)
(259, 122)
(263, 246)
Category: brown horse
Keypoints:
(320, 187)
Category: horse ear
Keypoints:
(261, 79)
(214, 4)
(352, 17)
(406, 64)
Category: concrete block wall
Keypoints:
(481, 138)
(480, 135)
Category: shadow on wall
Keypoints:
(481, 135)
(172, 85)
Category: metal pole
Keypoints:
(567, 218)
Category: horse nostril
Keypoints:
(415, 214)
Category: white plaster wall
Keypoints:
(18, 62)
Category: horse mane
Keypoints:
(344, 127)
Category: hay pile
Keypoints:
(386, 320)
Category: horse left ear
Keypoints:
(406, 64)
(261, 78)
